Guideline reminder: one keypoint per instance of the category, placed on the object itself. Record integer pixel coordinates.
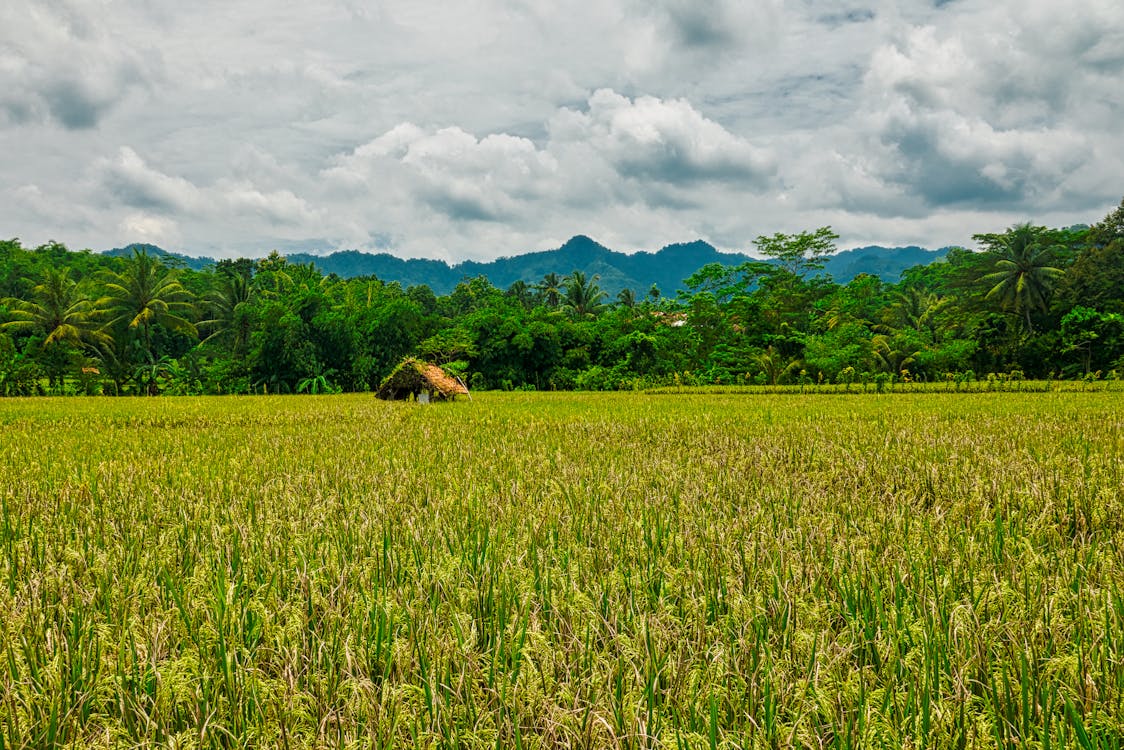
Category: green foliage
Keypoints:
(583, 296)
(799, 254)
(1037, 300)
(1023, 275)
(19, 374)
(1096, 338)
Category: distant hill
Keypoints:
(887, 263)
(171, 259)
(666, 268)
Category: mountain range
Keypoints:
(666, 268)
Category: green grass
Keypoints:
(551, 570)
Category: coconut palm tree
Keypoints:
(774, 364)
(550, 288)
(59, 310)
(147, 294)
(583, 296)
(626, 297)
(520, 291)
(916, 309)
(228, 307)
(892, 354)
(1023, 277)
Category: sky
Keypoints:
(486, 128)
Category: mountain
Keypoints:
(169, 258)
(666, 268)
(887, 263)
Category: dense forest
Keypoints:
(1034, 302)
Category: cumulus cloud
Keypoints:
(158, 204)
(150, 229)
(666, 141)
(1004, 106)
(615, 156)
(58, 63)
(496, 127)
(136, 184)
(449, 170)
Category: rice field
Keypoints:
(563, 570)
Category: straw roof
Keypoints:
(412, 376)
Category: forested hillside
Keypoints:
(1036, 302)
(665, 268)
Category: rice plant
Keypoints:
(558, 570)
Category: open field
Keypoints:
(551, 570)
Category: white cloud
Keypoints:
(150, 229)
(497, 127)
(666, 141)
(994, 106)
(136, 184)
(60, 63)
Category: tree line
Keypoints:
(1034, 302)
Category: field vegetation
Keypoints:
(560, 570)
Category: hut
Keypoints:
(421, 380)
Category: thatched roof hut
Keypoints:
(412, 377)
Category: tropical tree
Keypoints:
(550, 289)
(1023, 274)
(583, 296)
(775, 365)
(626, 298)
(228, 305)
(520, 291)
(144, 295)
(893, 354)
(59, 311)
(916, 309)
(799, 254)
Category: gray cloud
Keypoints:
(969, 117)
(840, 18)
(944, 179)
(667, 141)
(62, 64)
(699, 23)
(137, 185)
(454, 130)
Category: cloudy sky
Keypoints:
(493, 127)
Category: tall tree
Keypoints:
(1023, 275)
(1096, 278)
(520, 291)
(58, 310)
(147, 294)
(228, 305)
(799, 254)
(583, 296)
(915, 308)
(550, 288)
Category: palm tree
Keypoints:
(913, 308)
(520, 291)
(626, 297)
(583, 297)
(551, 289)
(147, 294)
(774, 364)
(892, 354)
(228, 306)
(59, 310)
(1023, 277)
